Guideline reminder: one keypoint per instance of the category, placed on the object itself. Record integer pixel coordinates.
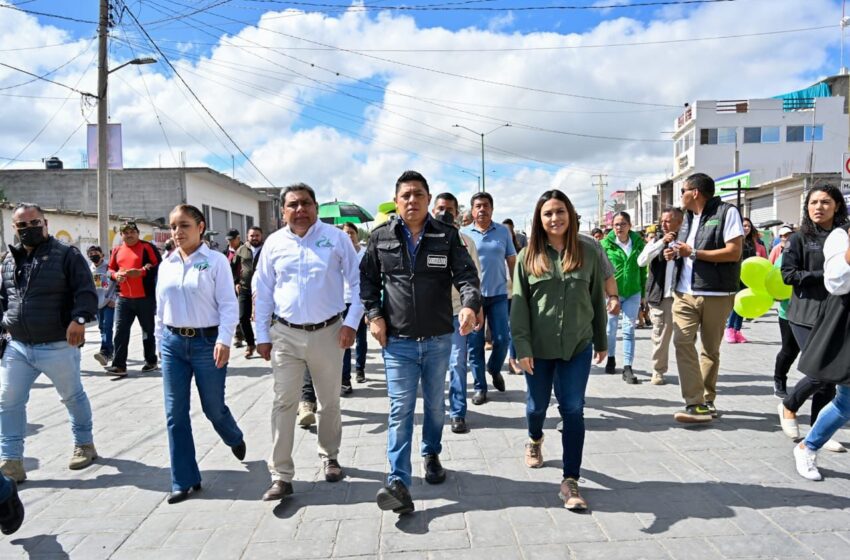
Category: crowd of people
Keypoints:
(434, 288)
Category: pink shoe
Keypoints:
(739, 338)
(730, 336)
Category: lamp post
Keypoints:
(482, 135)
(102, 143)
(474, 175)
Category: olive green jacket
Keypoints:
(555, 316)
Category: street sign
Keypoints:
(730, 182)
(845, 169)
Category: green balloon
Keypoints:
(750, 304)
(754, 271)
(776, 287)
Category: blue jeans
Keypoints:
(735, 321)
(457, 372)
(407, 361)
(182, 358)
(569, 378)
(630, 307)
(496, 313)
(105, 318)
(21, 366)
(831, 418)
(359, 351)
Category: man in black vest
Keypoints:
(246, 260)
(660, 283)
(47, 296)
(709, 270)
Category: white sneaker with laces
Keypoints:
(807, 462)
(834, 446)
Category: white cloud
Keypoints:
(271, 101)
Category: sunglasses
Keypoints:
(686, 190)
(32, 223)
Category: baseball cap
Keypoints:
(232, 234)
(128, 225)
(785, 230)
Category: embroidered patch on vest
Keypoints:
(438, 261)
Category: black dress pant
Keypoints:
(821, 392)
(127, 311)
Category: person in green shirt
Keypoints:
(558, 318)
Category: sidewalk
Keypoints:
(657, 489)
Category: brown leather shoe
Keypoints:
(249, 352)
(277, 491)
(571, 496)
(333, 472)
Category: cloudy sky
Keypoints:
(345, 96)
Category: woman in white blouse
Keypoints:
(196, 316)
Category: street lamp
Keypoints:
(102, 143)
(482, 135)
(474, 175)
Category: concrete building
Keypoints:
(766, 140)
(148, 194)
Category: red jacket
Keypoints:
(137, 256)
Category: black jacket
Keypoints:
(60, 288)
(802, 268)
(656, 272)
(417, 303)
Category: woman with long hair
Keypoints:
(824, 210)
(752, 248)
(623, 246)
(558, 318)
(196, 316)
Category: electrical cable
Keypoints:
(44, 14)
(44, 76)
(445, 8)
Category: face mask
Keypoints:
(446, 217)
(95, 259)
(32, 236)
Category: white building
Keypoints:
(766, 141)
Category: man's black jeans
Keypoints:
(127, 311)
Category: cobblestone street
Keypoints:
(656, 489)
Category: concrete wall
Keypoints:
(78, 230)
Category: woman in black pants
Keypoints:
(802, 268)
(789, 350)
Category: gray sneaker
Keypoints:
(84, 455)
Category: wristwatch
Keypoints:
(80, 320)
(693, 255)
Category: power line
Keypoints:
(44, 14)
(190, 14)
(447, 8)
(40, 47)
(176, 73)
(45, 80)
(43, 76)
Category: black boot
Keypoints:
(395, 497)
(434, 471)
(629, 376)
(611, 366)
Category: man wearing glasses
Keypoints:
(133, 266)
(47, 296)
(708, 255)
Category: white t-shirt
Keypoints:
(733, 228)
(626, 247)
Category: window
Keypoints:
(206, 210)
(724, 135)
(249, 223)
(806, 133)
(761, 134)
(752, 135)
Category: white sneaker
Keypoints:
(834, 446)
(807, 462)
(789, 425)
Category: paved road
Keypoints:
(656, 489)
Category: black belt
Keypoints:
(190, 332)
(311, 327)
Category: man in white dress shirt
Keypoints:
(660, 283)
(299, 303)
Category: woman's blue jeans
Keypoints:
(630, 307)
(735, 321)
(183, 358)
(569, 379)
(831, 418)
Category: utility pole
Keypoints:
(600, 194)
(102, 143)
(640, 205)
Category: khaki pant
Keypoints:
(662, 331)
(706, 315)
(293, 351)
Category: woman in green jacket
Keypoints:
(623, 247)
(557, 319)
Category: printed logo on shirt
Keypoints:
(201, 266)
(324, 243)
(438, 261)
(712, 222)
(435, 235)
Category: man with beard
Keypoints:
(246, 259)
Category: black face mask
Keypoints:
(95, 259)
(32, 236)
(446, 217)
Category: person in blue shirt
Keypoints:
(495, 246)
